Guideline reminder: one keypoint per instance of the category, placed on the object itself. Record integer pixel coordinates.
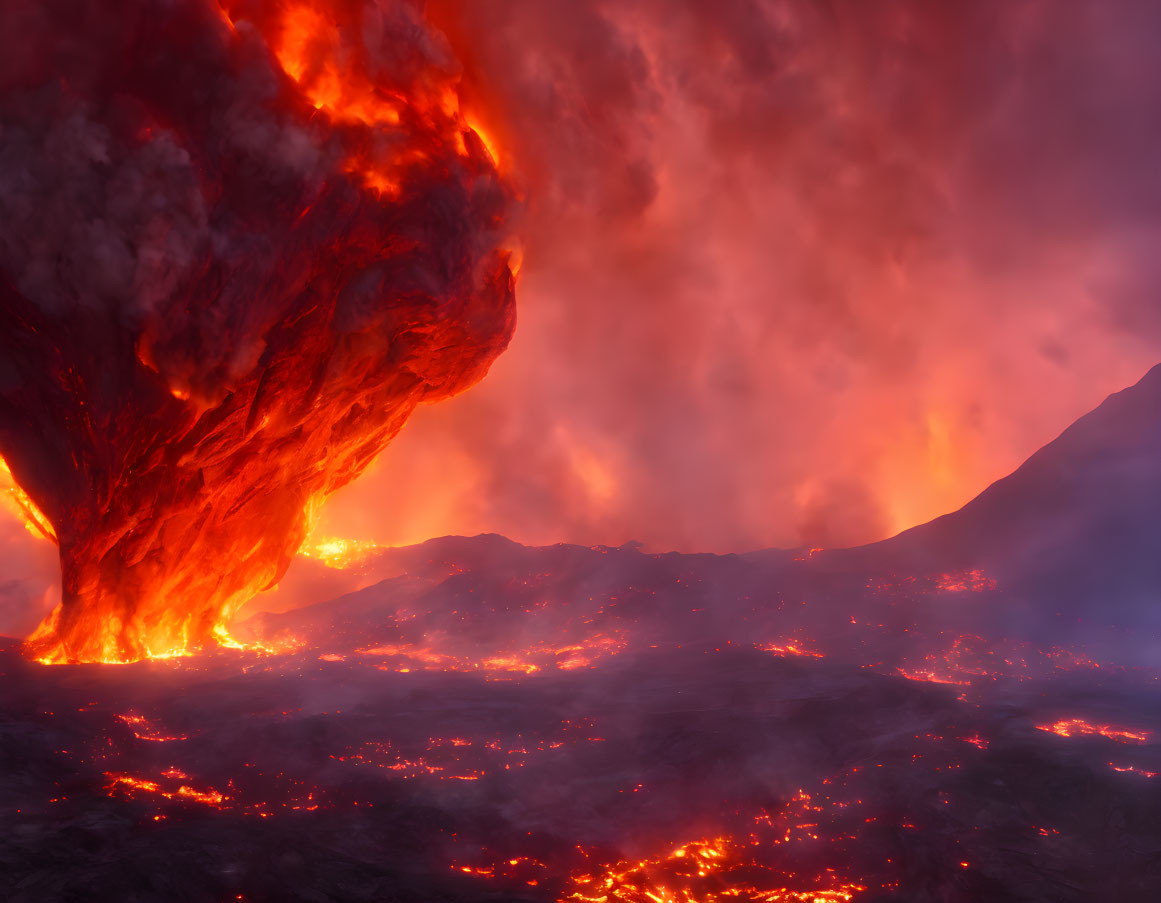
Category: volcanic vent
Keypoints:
(240, 242)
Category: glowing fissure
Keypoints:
(405, 657)
(698, 872)
(131, 784)
(737, 865)
(1078, 727)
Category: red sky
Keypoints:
(795, 273)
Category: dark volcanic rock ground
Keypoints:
(499, 723)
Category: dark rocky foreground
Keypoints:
(503, 723)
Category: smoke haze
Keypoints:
(795, 273)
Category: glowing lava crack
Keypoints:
(238, 245)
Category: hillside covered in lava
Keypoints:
(471, 719)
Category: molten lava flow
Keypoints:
(143, 730)
(1073, 727)
(405, 657)
(790, 649)
(1135, 770)
(128, 784)
(239, 244)
(932, 677)
(704, 871)
(750, 864)
(16, 500)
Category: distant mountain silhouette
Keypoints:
(1069, 547)
(1076, 530)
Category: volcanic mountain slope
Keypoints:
(1073, 535)
(1064, 552)
(1067, 549)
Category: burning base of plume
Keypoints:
(239, 244)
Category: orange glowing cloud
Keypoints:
(794, 276)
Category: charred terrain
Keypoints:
(953, 715)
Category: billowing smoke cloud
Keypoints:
(238, 245)
(795, 272)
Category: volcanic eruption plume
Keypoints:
(239, 243)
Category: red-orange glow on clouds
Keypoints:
(794, 273)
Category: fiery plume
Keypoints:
(239, 243)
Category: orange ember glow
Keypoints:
(128, 784)
(704, 871)
(406, 657)
(932, 677)
(974, 581)
(143, 730)
(1133, 769)
(790, 649)
(1077, 727)
(338, 553)
(463, 758)
(212, 435)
